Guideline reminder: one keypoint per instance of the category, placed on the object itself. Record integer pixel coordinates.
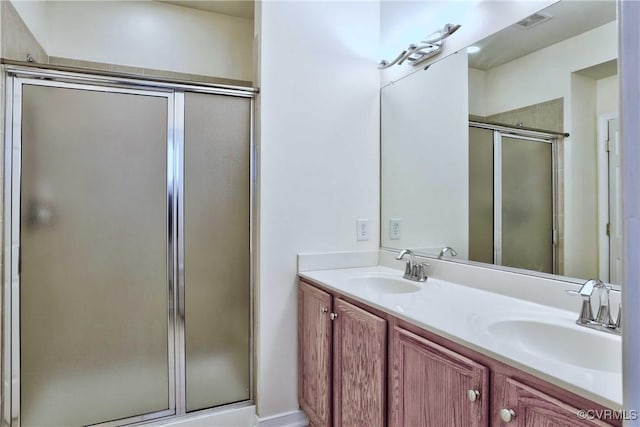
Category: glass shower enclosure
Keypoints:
(127, 284)
(512, 198)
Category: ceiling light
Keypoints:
(473, 49)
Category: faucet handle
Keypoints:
(422, 271)
(586, 313)
(407, 269)
(604, 311)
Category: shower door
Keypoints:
(527, 204)
(94, 289)
(512, 205)
(127, 287)
(216, 249)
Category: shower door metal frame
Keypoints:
(535, 136)
(174, 92)
(13, 171)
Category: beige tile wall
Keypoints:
(17, 39)
(145, 72)
(547, 115)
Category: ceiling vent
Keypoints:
(533, 20)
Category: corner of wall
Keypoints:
(317, 139)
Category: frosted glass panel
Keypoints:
(217, 259)
(93, 287)
(481, 195)
(527, 204)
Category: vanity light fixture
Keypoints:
(417, 54)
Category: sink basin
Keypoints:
(564, 342)
(385, 284)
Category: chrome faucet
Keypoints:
(602, 320)
(413, 270)
(446, 249)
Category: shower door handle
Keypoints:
(39, 214)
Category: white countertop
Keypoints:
(462, 313)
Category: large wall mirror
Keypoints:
(508, 153)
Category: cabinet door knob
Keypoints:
(334, 316)
(324, 310)
(507, 415)
(473, 395)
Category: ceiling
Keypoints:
(239, 8)
(568, 19)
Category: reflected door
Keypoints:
(481, 203)
(93, 284)
(527, 204)
(511, 200)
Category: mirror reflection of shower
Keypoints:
(513, 209)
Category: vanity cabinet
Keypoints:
(434, 386)
(342, 361)
(343, 380)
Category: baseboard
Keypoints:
(237, 415)
(288, 419)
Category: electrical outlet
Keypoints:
(395, 229)
(362, 229)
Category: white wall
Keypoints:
(477, 92)
(541, 70)
(146, 34)
(425, 152)
(581, 194)
(318, 135)
(607, 92)
(405, 22)
(630, 130)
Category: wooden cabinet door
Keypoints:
(532, 408)
(314, 354)
(359, 370)
(431, 384)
